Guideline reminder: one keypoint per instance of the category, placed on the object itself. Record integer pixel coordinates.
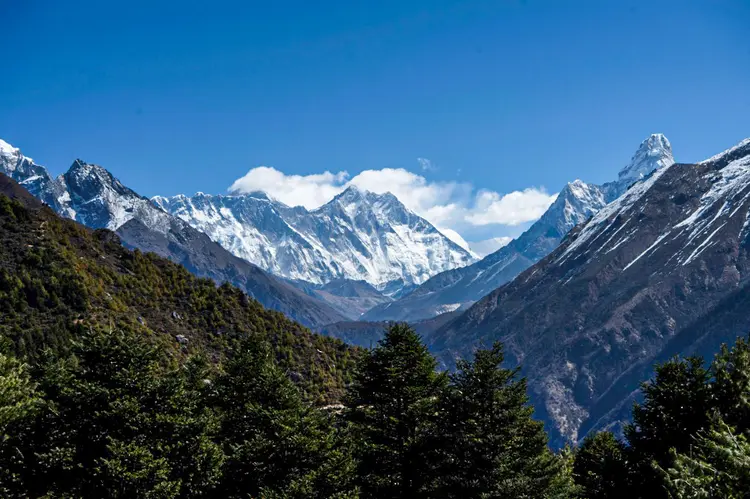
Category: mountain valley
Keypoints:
(611, 279)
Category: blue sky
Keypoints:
(505, 96)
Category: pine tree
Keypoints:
(19, 403)
(718, 466)
(488, 443)
(276, 444)
(18, 396)
(391, 407)
(117, 425)
(731, 384)
(601, 467)
(677, 404)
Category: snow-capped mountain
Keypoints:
(459, 288)
(663, 270)
(34, 178)
(358, 235)
(92, 196)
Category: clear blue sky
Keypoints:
(185, 96)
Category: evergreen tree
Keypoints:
(731, 384)
(677, 404)
(601, 467)
(117, 426)
(18, 396)
(488, 443)
(19, 403)
(391, 406)
(717, 467)
(276, 444)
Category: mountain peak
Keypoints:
(386, 196)
(655, 152)
(352, 192)
(261, 195)
(8, 150)
(8, 153)
(80, 167)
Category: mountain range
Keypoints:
(458, 288)
(358, 235)
(611, 279)
(60, 279)
(662, 270)
(319, 266)
(92, 196)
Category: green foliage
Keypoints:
(677, 404)
(123, 417)
(18, 396)
(58, 278)
(601, 467)
(731, 384)
(688, 438)
(274, 442)
(487, 443)
(19, 402)
(119, 424)
(391, 405)
(718, 466)
(716, 462)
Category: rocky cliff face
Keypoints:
(662, 270)
(459, 288)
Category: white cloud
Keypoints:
(426, 165)
(452, 206)
(510, 209)
(484, 248)
(309, 191)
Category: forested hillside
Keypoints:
(58, 278)
(122, 375)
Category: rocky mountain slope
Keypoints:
(459, 288)
(92, 196)
(359, 235)
(662, 270)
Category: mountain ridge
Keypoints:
(658, 272)
(91, 195)
(59, 278)
(457, 289)
(358, 235)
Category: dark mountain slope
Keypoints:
(642, 280)
(57, 277)
(196, 252)
(367, 334)
(349, 298)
